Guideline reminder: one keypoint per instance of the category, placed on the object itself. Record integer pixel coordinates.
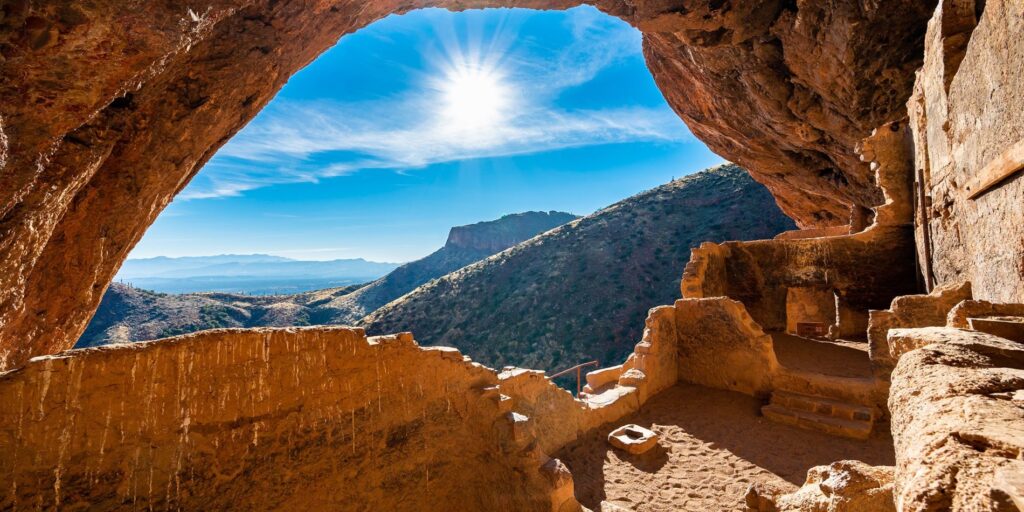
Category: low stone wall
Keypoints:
(313, 418)
(295, 419)
(957, 405)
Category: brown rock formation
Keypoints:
(957, 409)
(101, 125)
(840, 486)
(843, 486)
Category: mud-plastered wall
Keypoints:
(270, 419)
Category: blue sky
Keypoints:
(433, 119)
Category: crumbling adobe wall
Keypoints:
(289, 419)
(779, 279)
(866, 270)
(966, 111)
(721, 346)
(108, 108)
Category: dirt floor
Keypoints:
(713, 445)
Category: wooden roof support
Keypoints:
(1001, 168)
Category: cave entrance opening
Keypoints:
(383, 145)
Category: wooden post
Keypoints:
(926, 239)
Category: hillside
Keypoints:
(133, 314)
(129, 313)
(582, 291)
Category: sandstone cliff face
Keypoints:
(788, 89)
(101, 126)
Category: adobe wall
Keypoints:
(293, 419)
(790, 277)
(721, 346)
(966, 111)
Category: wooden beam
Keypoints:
(1002, 167)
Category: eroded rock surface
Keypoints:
(957, 405)
(843, 486)
(101, 126)
(909, 311)
(967, 111)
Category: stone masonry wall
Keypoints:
(866, 270)
(314, 418)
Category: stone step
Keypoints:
(809, 420)
(824, 406)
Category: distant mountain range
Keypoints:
(130, 313)
(246, 273)
(510, 291)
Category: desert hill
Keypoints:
(582, 291)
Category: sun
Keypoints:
(474, 98)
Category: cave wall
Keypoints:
(966, 111)
(107, 109)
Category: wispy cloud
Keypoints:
(294, 142)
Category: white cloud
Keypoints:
(291, 141)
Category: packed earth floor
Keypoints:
(713, 445)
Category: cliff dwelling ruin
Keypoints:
(870, 360)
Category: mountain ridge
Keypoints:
(581, 291)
